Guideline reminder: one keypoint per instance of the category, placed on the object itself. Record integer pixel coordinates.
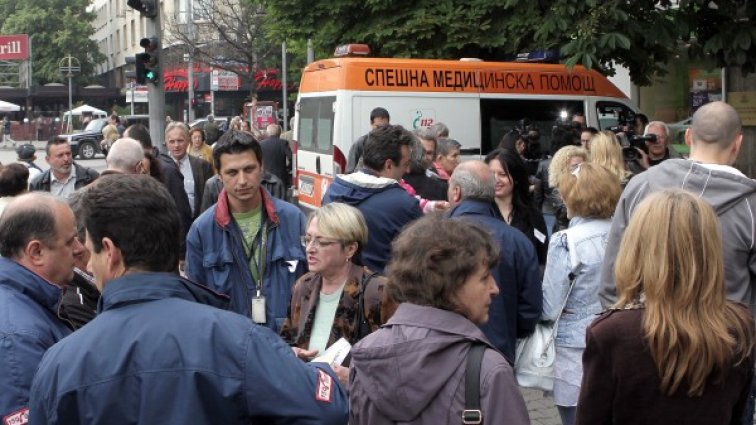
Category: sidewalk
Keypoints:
(7, 146)
(540, 409)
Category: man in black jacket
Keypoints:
(378, 117)
(169, 174)
(64, 175)
(276, 154)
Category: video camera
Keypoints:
(631, 142)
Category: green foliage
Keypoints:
(642, 35)
(59, 28)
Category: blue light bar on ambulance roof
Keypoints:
(539, 56)
(352, 50)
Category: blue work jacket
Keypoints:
(162, 352)
(29, 325)
(516, 310)
(215, 257)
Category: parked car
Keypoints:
(677, 131)
(86, 144)
(143, 119)
(201, 122)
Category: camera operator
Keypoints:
(651, 148)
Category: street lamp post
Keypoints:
(68, 65)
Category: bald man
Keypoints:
(516, 310)
(714, 137)
(126, 156)
(38, 244)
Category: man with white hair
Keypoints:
(277, 154)
(126, 156)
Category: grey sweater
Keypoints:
(733, 198)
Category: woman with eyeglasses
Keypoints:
(590, 193)
(338, 297)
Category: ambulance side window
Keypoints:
(316, 123)
(499, 116)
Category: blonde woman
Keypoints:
(198, 148)
(606, 151)
(562, 163)
(590, 194)
(673, 350)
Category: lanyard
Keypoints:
(255, 257)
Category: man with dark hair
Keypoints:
(37, 244)
(425, 183)
(585, 137)
(211, 130)
(166, 170)
(162, 350)
(64, 175)
(375, 191)
(378, 117)
(516, 310)
(248, 245)
(26, 155)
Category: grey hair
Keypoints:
(177, 124)
(472, 185)
(659, 124)
(444, 146)
(124, 155)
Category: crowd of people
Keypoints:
(180, 286)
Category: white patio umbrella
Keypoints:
(86, 109)
(8, 107)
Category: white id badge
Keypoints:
(258, 310)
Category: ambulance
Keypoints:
(479, 102)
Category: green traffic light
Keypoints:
(151, 76)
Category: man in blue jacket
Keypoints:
(38, 244)
(375, 191)
(516, 310)
(248, 245)
(161, 351)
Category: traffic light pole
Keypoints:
(156, 94)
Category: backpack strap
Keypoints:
(472, 413)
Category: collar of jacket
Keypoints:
(438, 320)
(473, 207)
(152, 286)
(223, 211)
(25, 281)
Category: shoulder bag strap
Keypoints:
(361, 325)
(577, 268)
(472, 413)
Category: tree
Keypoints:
(642, 35)
(227, 34)
(59, 28)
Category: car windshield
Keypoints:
(95, 125)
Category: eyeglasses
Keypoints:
(317, 242)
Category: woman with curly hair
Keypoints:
(563, 162)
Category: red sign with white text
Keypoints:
(14, 47)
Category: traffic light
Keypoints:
(132, 75)
(147, 63)
(147, 8)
